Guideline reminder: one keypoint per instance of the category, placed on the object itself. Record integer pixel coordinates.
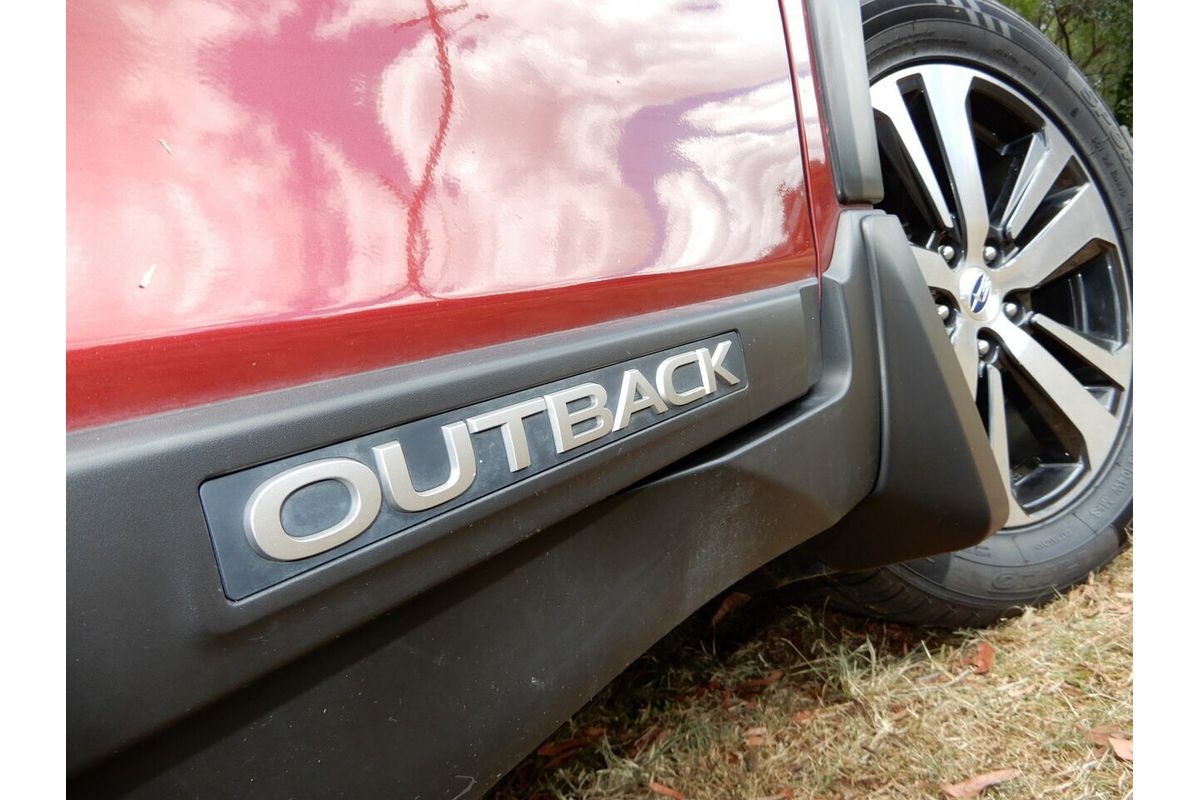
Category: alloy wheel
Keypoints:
(1023, 261)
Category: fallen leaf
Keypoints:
(759, 683)
(667, 791)
(1098, 736)
(554, 748)
(1124, 595)
(981, 662)
(756, 741)
(731, 601)
(973, 787)
(1124, 609)
(1123, 748)
(1101, 733)
(756, 732)
(652, 736)
(803, 716)
(562, 758)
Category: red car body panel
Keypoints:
(260, 197)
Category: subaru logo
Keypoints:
(980, 293)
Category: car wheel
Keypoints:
(1014, 186)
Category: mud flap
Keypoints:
(939, 488)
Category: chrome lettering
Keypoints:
(563, 420)
(665, 379)
(401, 494)
(712, 366)
(511, 422)
(264, 525)
(633, 384)
(577, 415)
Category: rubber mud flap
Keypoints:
(939, 488)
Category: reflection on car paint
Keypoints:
(300, 160)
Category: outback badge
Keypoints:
(291, 512)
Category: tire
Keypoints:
(1022, 93)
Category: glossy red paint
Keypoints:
(270, 194)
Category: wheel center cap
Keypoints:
(975, 294)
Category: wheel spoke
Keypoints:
(966, 350)
(1096, 426)
(1082, 221)
(947, 89)
(1048, 154)
(889, 102)
(998, 438)
(1115, 365)
(935, 270)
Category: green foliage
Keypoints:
(1098, 36)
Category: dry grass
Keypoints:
(783, 700)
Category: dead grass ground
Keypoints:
(780, 700)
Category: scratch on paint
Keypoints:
(418, 20)
(147, 275)
(417, 244)
(166, 147)
(470, 786)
